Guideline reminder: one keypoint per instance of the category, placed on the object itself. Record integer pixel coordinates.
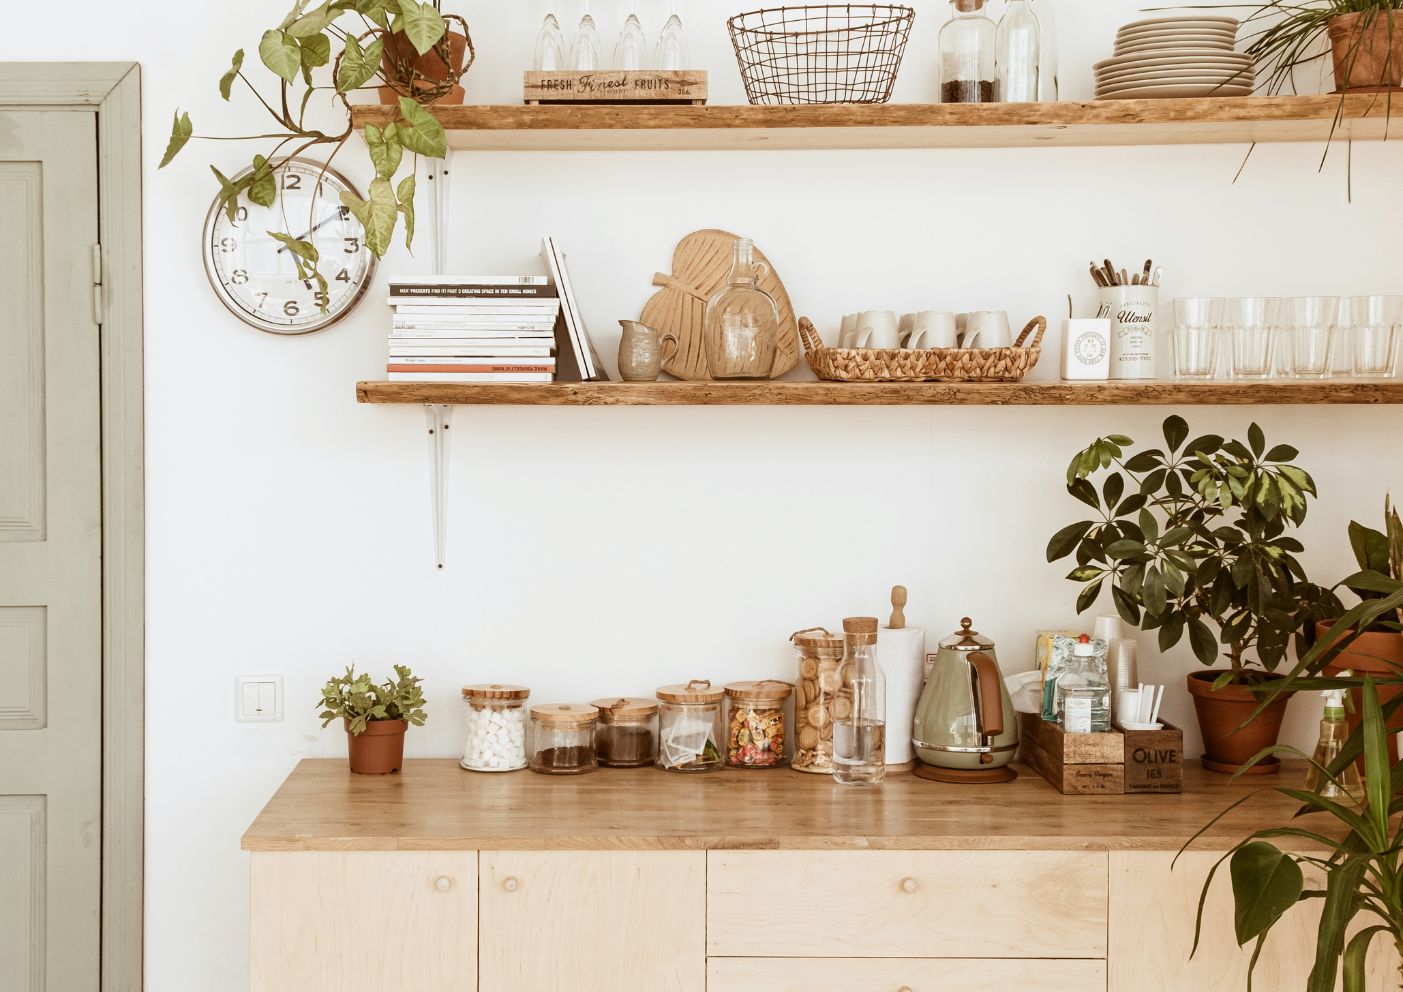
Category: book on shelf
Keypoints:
(456, 328)
(479, 377)
(471, 365)
(472, 351)
(474, 308)
(467, 280)
(453, 294)
(469, 333)
(579, 360)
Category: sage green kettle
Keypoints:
(966, 730)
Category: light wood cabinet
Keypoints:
(893, 974)
(593, 921)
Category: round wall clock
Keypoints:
(255, 275)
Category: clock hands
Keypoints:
(308, 234)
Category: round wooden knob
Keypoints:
(443, 883)
(510, 883)
(904, 988)
(908, 885)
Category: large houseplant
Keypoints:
(339, 48)
(1192, 539)
(375, 715)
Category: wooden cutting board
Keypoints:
(700, 266)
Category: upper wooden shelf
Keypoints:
(1213, 120)
(1163, 393)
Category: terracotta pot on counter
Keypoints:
(379, 749)
(1368, 51)
(1220, 713)
(1378, 653)
(428, 65)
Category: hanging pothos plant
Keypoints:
(376, 43)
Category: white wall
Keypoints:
(598, 551)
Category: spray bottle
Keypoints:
(1333, 733)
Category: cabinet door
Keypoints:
(1152, 933)
(593, 921)
(911, 974)
(364, 921)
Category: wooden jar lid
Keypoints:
(495, 691)
(818, 639)
(625, 709)
(564, 714)
(860, 630)
(771, 689)
(695, 691)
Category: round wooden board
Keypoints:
(699, 268)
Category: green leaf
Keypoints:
(1201, 639)
(1265, 884)
(1256, 439)
(385, 150)
(304, 250)
(316, 51)
(1282, 453)
(1125, 606)
(1205, 444)
(1121, 550)
(1342, 902)
(181, 130)
(357, 66)
(1083, 490)
(312, 23)
(1357, 957)
(405, 192)
(1065, 540)
(281, 54)
(1153, 591)
(421, 132)
(1378, 785)
(1370, 547)
(1113, 489)
(1176, 428)
(226, 82)
(263, 188)
(377, 214)
(1088, 596)
(421, 24)
(229, 193)
(1172, 632)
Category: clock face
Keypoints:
(255, 276)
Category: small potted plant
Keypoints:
(375, 716)
(1192, 540)
(1365, 40)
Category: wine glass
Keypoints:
(672, 44)
(550, 43)
(629, 52)
(587, 53)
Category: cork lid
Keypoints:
(860, 630)
(624, 709)
(695, 691)
(564, 714)
(764, 689)
(817, 637)
(495, 691)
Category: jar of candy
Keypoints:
(496, 728)
(755, 731)
(562, 739)
(816, 700)
(690, 727)
(627, 733)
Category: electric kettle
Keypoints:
(965, 730)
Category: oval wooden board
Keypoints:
(700, 266)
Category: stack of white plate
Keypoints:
(1176, 57)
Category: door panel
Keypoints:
(50, 555)
(912, 974)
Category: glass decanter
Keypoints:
(586, 52)
(860, 737)
(672, 43)
(550, 43)
(967, 55)
(1049, 83)
(741, 330)
(1018, 53)
(631, 51)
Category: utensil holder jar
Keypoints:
(1134, 330)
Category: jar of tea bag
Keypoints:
(690, 727)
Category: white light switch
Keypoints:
(258, 698)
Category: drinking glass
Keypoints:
(550, 43)
(1253, 321)
(1376, 320)
(1310, 322)
(587, 52)
(1198, 327)
(630, 52)
(672, 43)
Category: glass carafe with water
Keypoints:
(860, 733)
(741, 329)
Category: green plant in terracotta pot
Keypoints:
(1364, 38)
(1193, 541)
(376, 716)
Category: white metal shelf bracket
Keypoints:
(437, 175)
(439, 417)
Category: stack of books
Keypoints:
(473, 329)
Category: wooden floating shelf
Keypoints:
(1149, 393)
(1211, 120)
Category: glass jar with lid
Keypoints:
(755, 731)
(627, 734)
(562, 739)
(967, 43)
(496, 727)
(816, 700)
(690, 727)
(860, 737)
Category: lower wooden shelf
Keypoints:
(1146, 393)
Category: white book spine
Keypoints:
(484, 377)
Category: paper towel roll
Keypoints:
(901, 653)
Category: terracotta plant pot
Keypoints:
(1220, 713)
(379, 750)
(428, 65)
(1368, 51)
(1370, 654)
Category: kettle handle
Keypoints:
(989, 715)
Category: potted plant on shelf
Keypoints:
(376, 716)
(1192, 540)
(1365, 41)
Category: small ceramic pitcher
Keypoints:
(641, 357)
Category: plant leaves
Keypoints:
(1083, 490)
(316, 51)
(357, 67)
(1265, 884)
(1125, 606)
(262, 188)
(405, 192)
(312, 23)
(1370, 547)
(421, 132)
(229, 193)
(1201, 639)
(421, 24)
(226, 82)
(1256, 439)
(1064, 541)
(385, 150)
(281, 54)
(304, 250)
(1342, 902)
(1121, 550)
(1088, 596)
(1282, 453)
(1176, 428)
(376, 214)
(1378, 785)
(181, 130)
(1357, 956)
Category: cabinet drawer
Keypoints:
(909, 974)
(920, 904)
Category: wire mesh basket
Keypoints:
(835, 53)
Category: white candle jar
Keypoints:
(496, 728)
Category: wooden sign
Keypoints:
(687, 86)
(1154, 760)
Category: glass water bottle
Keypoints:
(742, 321)
(630, 52)
(1018, 53)
(587, 52)
(967, 55)
(672, 43)
(860, 733)
(1049, 82)
(550, 43)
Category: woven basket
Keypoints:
(933, 365)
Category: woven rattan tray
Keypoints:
(933, 365)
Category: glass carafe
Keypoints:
(550, 43)
(587, 52)
(1049, 83)
(672, 43)
(631, 51)
(1018, 53)
(742, 322)
(967, 55)
(860, 733)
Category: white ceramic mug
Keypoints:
(878, 329)
(987, 329)
(934, 329)
(907, 325)
(848, 334)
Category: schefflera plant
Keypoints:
(1194, 536)
(358, 32)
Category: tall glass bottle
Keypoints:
(1049, 78)
(550, 43)
(587, 52)
(860, 735)
(630, 52)
(1018, 53)
(672, 43)
(741, 328)
(967, 55)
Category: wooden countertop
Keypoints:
(435, 805)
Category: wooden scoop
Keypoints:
(898, 608)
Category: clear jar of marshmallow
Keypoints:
(496, 728)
